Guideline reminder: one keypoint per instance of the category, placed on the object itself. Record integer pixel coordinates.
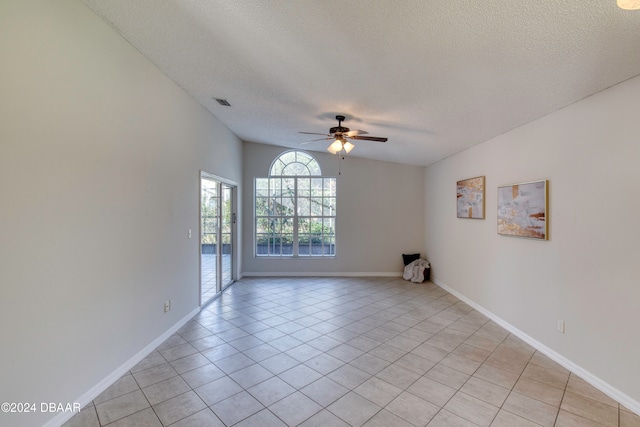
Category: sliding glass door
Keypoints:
(217, 235)
(226, 233)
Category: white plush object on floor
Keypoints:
(414, 271)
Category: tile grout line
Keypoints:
(406, 389)
(346, 308)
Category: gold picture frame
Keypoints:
(523, 210)
(470, 198)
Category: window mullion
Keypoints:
(295, 218)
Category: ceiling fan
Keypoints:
(342, 136)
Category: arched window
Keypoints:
(295, 209)
(294, 163)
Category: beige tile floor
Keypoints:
(347, 352)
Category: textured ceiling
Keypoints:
(435, 77)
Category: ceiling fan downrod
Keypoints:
(339, 129)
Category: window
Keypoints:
(295, 209)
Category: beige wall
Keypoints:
(100, 156)
(587, 273)
(380, 211)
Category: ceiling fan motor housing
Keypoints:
(339, 129)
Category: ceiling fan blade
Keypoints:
(369, 138)
(315, 140)
(355, 132)
(314, 133)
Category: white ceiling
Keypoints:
(435, 77)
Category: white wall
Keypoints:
(100, 156)
(587, 273)
(380, 215)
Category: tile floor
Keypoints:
(347, 352)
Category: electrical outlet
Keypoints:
(167, 305)
(189, 233)
(561, 326)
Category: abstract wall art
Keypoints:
(470, 194)
(522, 210)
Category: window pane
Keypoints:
(286, 226)
(262, 244)
(288, 205)
(275, 185)
(314, 168)
(304, 237)
(329, 186)
(316, 225)
(304, 209)
(288, 187)
(303, 225)
(304, 249)
(273, 245)
(329, 225)
(209, 230)
(329, 206)
(295, 169)
(316, 206)
(331, 249)
(288, 157)
(262, 225)
(262, 187)
(262, 192)
(316, 187)
(304, 245)
(278, 208)
(303, 157)
(262, 206)
(304, 186)
(276, 168)
(287, 247)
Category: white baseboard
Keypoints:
(321, 274)
(598, 383)
(96, 390)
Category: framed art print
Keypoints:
(522, 210)
(470, 195)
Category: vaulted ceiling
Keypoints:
(435, 77)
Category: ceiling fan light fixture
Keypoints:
(343, 135)
(335, 147)
(629, 4)
(348, 147)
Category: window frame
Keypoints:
(320, 189)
